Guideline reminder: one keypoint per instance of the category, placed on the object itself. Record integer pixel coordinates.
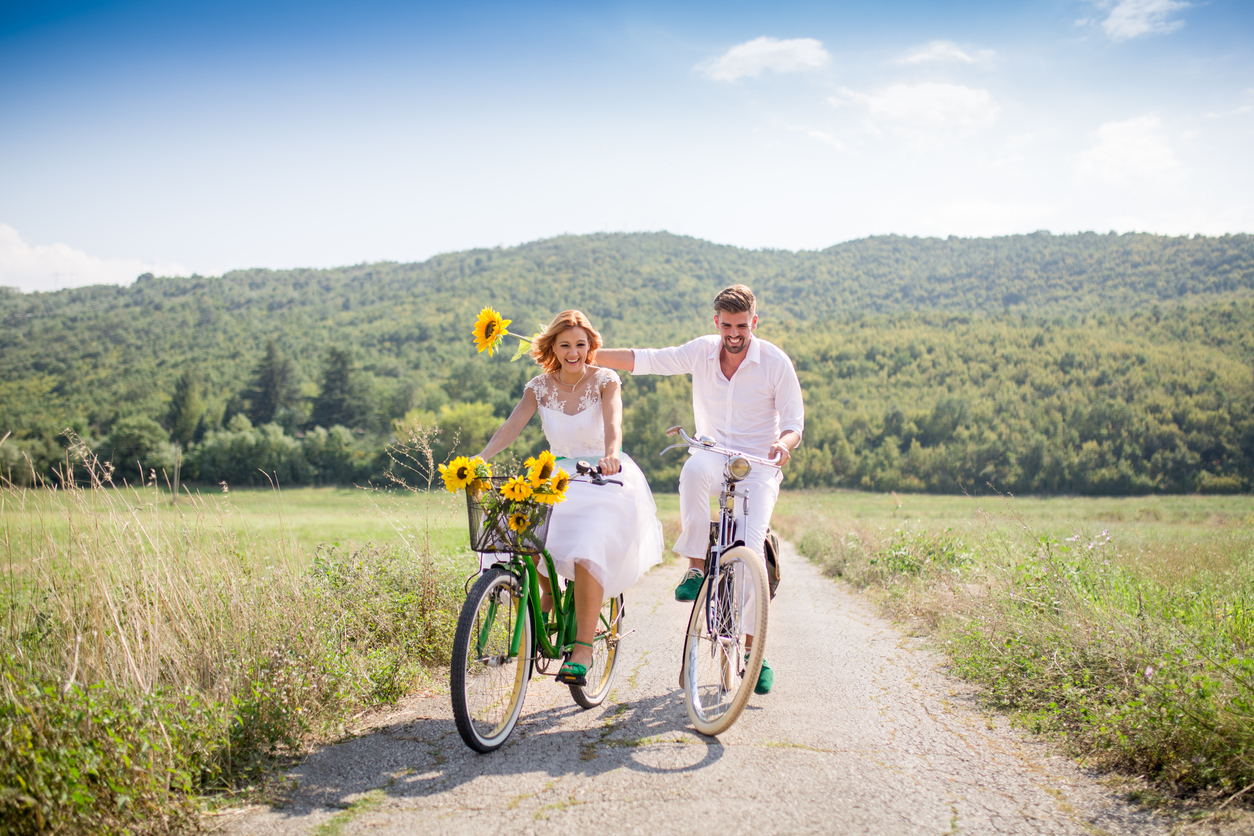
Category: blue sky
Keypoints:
(179, 138)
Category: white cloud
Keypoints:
(927, 107)
(945, 51)
(752, 57)
(1129, 152)
(54, 266)
(1134, 18)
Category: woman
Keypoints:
(604, 537)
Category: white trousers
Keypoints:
(701, 479)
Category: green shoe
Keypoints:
(766, 679)
(690, 585)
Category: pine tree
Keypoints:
(339, 402)
(273, 386)
(186, 408)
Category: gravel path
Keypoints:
(862, 734)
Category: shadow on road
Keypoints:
(426, 756)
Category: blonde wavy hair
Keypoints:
(542, 349)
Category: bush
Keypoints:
(245, 455)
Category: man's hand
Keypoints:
(782, 449)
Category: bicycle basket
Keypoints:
(500, 525)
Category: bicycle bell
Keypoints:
(704, 441)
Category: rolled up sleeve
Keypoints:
(674, 360)
(788, 401)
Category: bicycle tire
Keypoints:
(604, 656)
(717, 679)
(487, 684)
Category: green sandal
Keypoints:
(573, 673)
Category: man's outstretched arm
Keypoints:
(623, 359)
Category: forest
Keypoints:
(1043, 364)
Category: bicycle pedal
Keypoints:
(620, 637)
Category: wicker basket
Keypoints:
(489, 514)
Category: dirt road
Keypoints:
(862, 734)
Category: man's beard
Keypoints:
(744, 343)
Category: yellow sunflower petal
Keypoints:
(489, 330)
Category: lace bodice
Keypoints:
(573, 422)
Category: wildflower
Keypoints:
(517, 489)
(518, 521)
(540, 469)
(489, 330)
(457, 474)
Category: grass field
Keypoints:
(298, 520)
(1124, 627)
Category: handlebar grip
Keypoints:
(674, 431)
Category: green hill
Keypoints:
(1020, 342)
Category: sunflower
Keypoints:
(519, 521)
(540, 469)
(459, 473)
(516, 489)
(553, 491)
(489, 330)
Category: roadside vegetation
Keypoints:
(1124, 628)
(155, 656)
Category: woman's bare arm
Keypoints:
(513, 425)
(612, 410)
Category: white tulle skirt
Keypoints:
(613, 530)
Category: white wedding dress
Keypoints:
(613, 530)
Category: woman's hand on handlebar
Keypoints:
(610, 465)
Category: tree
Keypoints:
(186, 408)
(273, 386)
(340, 401)
(136, 446)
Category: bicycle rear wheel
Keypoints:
(488, 684)
(604, 656)
(717, 678)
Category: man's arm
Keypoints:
(791, 407)
(623, 359)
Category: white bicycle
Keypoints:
(719, 669)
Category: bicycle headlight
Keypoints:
(738, 468)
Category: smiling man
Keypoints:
(745, 396)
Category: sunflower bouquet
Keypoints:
(491, 328)
(508, 513)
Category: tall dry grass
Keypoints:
(1140, 660)
(151, 656)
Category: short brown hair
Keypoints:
(736, 299)
(542, 349)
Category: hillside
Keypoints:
(92, 357)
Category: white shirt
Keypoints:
(747, 413)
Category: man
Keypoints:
(745, 395)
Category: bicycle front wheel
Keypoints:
(604, 656)
(720, 672)
(487, 681)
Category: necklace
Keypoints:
(558, 378)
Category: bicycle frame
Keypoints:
(562, 628)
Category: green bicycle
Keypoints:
(503, 638)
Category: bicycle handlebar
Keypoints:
(594, 474)
(702, 442)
